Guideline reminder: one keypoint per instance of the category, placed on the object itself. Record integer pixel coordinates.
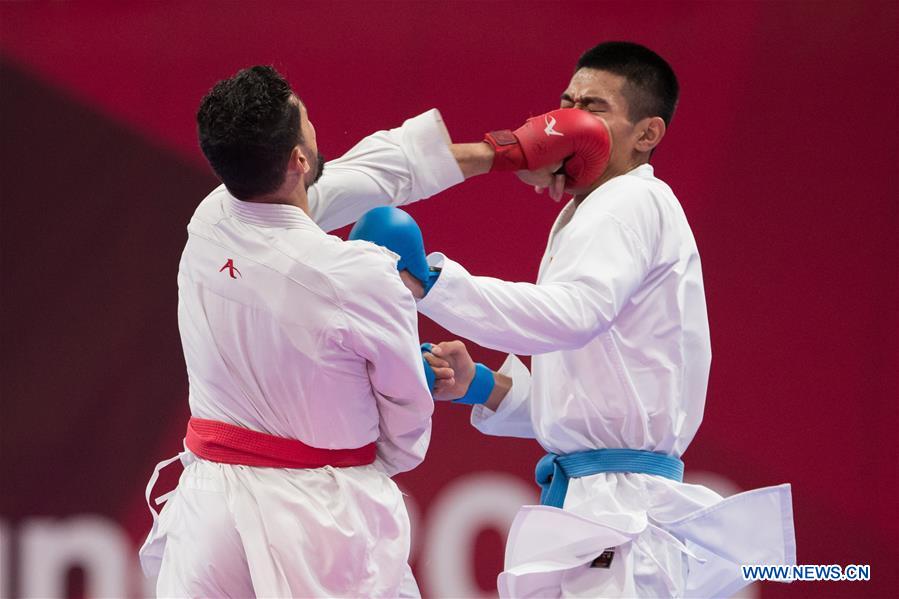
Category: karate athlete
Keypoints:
(307, 390)
(619, 335)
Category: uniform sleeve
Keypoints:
(513, 416)
(598, 265)
(393, 167)
(384, 330)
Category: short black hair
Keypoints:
(651, 88)
(248, 125)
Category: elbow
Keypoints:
(590, 314)
(580, 337)
(587, 323)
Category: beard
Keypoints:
(319, 170)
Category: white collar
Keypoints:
(644, 171)
(283, 216)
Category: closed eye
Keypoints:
(591, 103)
(596, 105)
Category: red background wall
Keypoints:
(783, 152)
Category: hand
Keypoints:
(455, 355)
(412, 284)
(444, 377)
(545, 179)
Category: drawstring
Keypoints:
(186, 458)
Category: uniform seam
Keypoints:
(333, 300)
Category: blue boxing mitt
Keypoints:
(395, 230)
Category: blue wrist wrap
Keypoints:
(433, 275)
(480, 388)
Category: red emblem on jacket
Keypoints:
(231, 268)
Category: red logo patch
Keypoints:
(231, 268)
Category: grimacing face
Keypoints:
(601, 94)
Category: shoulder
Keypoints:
(637, 204)
(632, 198)
(637, 199)
(211, 209)
(360, 269)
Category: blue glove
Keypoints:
(395, 230)
(478, 390)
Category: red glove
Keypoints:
(572, 136)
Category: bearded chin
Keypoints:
(319, 170)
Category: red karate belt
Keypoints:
(228, 444)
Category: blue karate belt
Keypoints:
(553, 471)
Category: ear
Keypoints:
(298, 161)
(653, 132)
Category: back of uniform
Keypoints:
(296, 334)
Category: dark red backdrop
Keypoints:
(783, 152)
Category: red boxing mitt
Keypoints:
(572, 136)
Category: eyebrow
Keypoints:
(585, 99)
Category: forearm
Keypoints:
(596, 268)
(520, 318)
(502, 384)
(473, 158)
(507, 413)
(394, 167)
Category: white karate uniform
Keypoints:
(618, 331)
(296, 333)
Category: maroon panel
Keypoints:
(93, 223)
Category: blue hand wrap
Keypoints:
(480, 388)
(429, 372)
(433, 275)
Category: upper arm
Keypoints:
(601, 259)
(384, 324)
(392, 167)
